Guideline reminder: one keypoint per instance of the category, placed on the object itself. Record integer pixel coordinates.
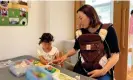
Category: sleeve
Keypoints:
(76, 45)
(111, 41)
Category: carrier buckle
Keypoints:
(88, 47)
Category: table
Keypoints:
(6, 75)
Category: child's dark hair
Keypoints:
(46, 37)
(131, 12)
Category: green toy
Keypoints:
(53, 70)
(41, 75)
(35, 62)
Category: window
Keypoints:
(104, 8)
(131, 6)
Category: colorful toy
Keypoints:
(38, 73)
(35, 62)
(31, 60)
(51, 69)
(63, 76)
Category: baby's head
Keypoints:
(46, 40)
(131, 12)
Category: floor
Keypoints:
(130, 56)
(130, 74)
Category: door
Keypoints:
(121, 18)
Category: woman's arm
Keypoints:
(112, 61)
(71, 52)
(63, 58)
(100, 72)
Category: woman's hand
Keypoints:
(97, 73)
(61, 59)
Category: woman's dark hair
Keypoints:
(91, 14)
(46, 37)
(131, 12)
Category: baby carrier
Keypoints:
(92, 49)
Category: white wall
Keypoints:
(61, 21)
(20, 40)
(54, 17)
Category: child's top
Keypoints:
(49, 56)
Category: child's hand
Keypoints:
(60, 60)
(46, 62)
(43, 61)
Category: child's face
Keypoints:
(46, 46)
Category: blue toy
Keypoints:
(38, 73)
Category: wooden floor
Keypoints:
(130, 74)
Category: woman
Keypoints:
(90, 24)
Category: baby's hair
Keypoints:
(131, 12)
(46, 37)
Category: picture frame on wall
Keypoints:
(14, 12)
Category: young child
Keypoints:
(47, 53)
